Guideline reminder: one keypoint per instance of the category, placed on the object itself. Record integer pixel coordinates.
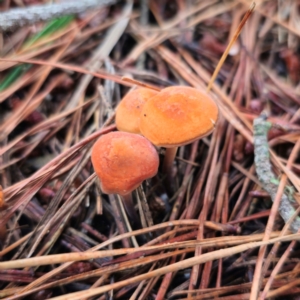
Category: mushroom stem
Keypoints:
(168, 164)
(129, 207)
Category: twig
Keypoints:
(232, 41)
(19, 17)
(267, 178)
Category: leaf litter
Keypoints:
(203, 241)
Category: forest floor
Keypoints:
(224, 231)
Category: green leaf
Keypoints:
(13, 75)
(50, 28)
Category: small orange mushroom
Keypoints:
(129, 110)
(122, 162)
(3, 204)
(177, 116)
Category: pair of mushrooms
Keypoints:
(173, 117)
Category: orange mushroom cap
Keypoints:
(122, 161)
(177, 116)
(129, 110)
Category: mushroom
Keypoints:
(122, 162)
(129, 110)
(177, 116)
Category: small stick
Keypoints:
(19, 17)
(264, 172)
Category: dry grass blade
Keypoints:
(232, 41)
